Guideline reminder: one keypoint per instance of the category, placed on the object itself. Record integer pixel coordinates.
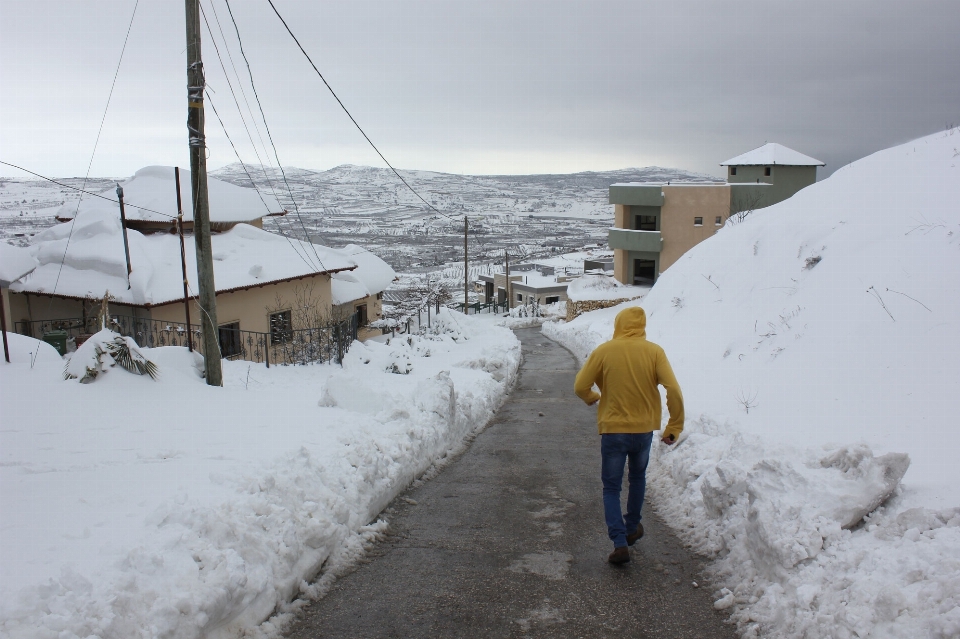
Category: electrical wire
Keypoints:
(113, 84)
(237, 102)
(352, 119)
(312, 267)
(85, 192)
(256, 95)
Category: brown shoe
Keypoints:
(619, 555)
(635, 535)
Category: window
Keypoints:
(718, 221)
(733, 170)
(645, 223)
(519, 297)
(552, 299)
(698, 221)
(644, 271)
(767, 170)
(229, 334)
(281, 327)
(362, 315)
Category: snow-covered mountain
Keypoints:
(817, 343)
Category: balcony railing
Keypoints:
(629, 240)
(299, 346)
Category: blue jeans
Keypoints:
(615, 450)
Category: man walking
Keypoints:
(627, 370)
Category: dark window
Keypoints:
(718, 221)
(552, 299)
(644, 271)
(229, 335)
(645, 223)
(281, 327)
(766, 171)
(362, 315)
(698, 221)
(519, 297)
(733, 170)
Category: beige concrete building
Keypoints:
(272, 290)
(529, 283)
(656, 223)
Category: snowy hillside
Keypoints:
(135, 508)
(816, 341)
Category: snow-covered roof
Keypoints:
(15, 262)
(371, 276)
(154, 188)
(772, 153)
(94, 262)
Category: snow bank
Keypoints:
(142, 508)
(817, 341)
(597, 286)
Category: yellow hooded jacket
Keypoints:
(627, 370)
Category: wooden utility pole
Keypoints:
(201, 206)
(466, 269)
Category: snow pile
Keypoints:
(151, 194)
(141, 508)
(15, 262)
(816, 344)
(104, 350)
(599, 286)
(95, 263)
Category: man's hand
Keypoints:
(669, 440)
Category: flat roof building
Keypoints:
(655, 223)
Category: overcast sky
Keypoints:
(482, 87)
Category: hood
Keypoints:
(630, 322)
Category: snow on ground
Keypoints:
(816, 343)
(140, 508)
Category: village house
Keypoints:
(655, 223)
(529, 284)
(269, 286)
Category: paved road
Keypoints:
(509, 540)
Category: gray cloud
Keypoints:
(486, 86)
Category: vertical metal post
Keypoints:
(466, 269)
(506, 285)
(3, 325)
(183, 258)
(123, 224)
(196, 84)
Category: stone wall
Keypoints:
(585, 306)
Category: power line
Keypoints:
(305, 261)
(352, 119)
(96, 143)
(85, 192)
(256, 95)
(237, 102)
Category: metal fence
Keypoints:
(290, 347)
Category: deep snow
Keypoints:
(140, 508)
(817, 343)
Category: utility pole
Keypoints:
(506, 285)
(201, 206)
(466, 269)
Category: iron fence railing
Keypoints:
(289, 347)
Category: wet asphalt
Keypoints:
(509, 540)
